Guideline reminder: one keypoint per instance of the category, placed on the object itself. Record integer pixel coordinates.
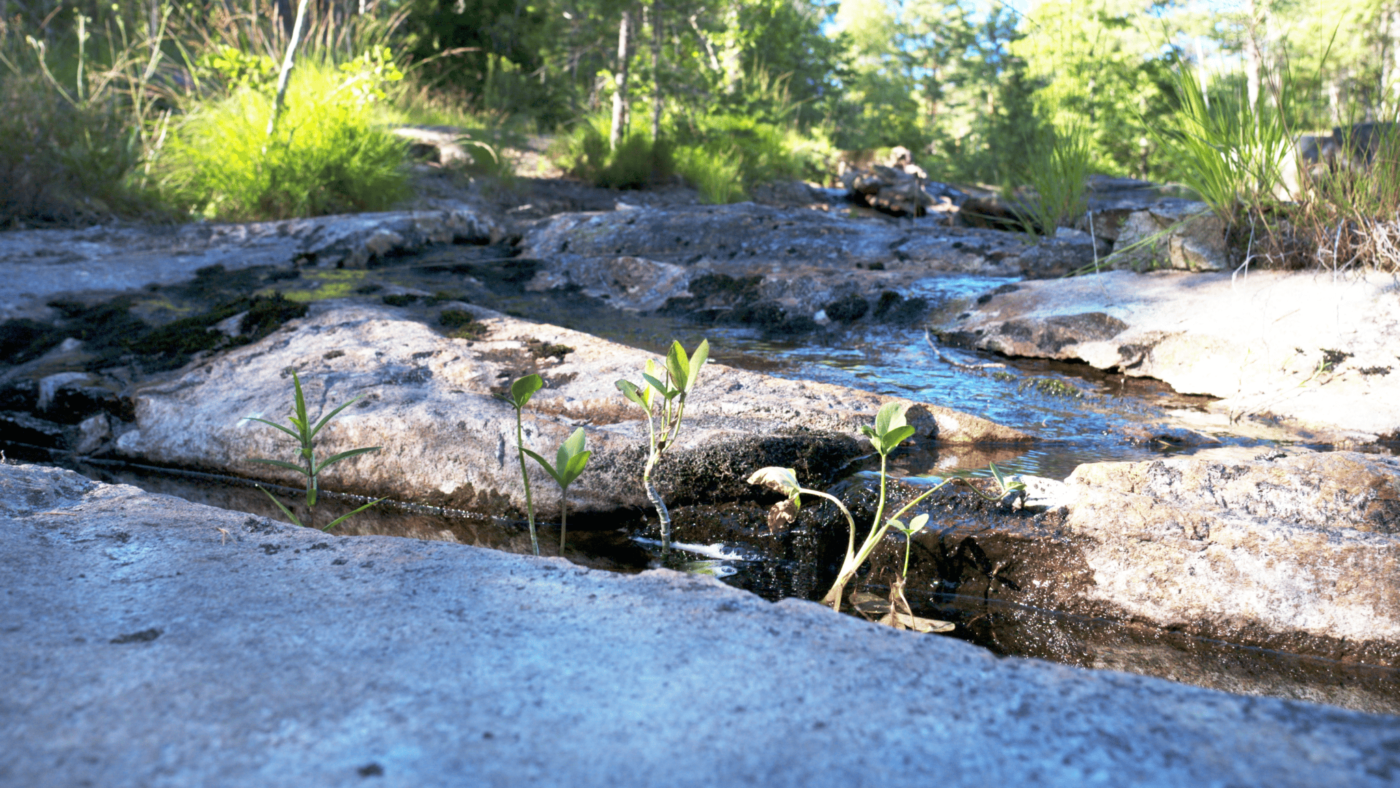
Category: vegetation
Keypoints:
(519, 396)
(568, 465)
(304, 433)
(662, 396)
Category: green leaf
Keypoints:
(631, 391)
(289, 466)
(678, 364)
(544, 464)
(273, 424)
(917, 524)
(332, 415)
(659, 387)
(344, 517)
(285, 510)
(300, 402)
(344, 455)
(891, 415)
(575, 467)
(783, 480)
(891, 440)
(523, 389)
(697, 360)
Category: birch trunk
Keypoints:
(620, 103)
(287, 63)
(656, 70)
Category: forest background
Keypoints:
(123, 95)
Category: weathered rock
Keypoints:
(151, 641)
(1172, 234)
(1298, 553)
(1313, 352)
(778, 266)
(42, 263)
(430, 403)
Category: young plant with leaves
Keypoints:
(305, 435)
(569, 463)
(663, 397)
(890, 429)
(520, 393)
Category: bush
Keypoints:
(583, 151)
(326, 156)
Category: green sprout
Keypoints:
(520, 393)
(889, 431)
(305, 435)
(664, 397)
(569, 463)
(915, 525)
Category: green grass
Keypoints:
(1058, 162)
(327, 155)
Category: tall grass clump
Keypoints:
(1228, 152)
(584, 151)
(1057, 168)
(326, 155)
(1352, 212)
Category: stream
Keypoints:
(1080, 414)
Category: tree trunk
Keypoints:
(620, 103)
(656, 70)
(287, 63)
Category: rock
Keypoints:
(44, 263)
(93, 433)
(1296, 553)
(129, 615)
(1172, 235)
(430, 403)
(752, 264)
(1314, 355)
(902, 189)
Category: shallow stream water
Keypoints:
(1079, 414)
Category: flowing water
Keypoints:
(1080, 415)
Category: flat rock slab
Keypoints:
(1320, 354)
(148, 641)
(40, 264)
(801, 261)
(430, 402)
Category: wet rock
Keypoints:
(792, 261)
(429, 401)
(90, 650)
(43, 263)
(1297, 553)
(1301, 350)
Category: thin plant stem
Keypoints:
(524, 474)
(563, 520)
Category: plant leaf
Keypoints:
(575, 467)
(524, 388)
(891, 440)
(544, 464)
(273, 424)
(697, 360)
(659, 387)
(678, 364)
(289, 466)
(631, 391)
(300, 402)
(332, 415)
(783, 480)
(284, 509)
(917, 524)
(343, 456)
(344, 517)
(891, 415)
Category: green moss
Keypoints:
(462, 324)
(327, 284)
(402, 299)
(540, 349)
(1004, 377)
(1051, 387)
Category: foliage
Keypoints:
(662, 395)
(305, 435)
(1057, 169)
(521, 391)
(890, 430)
(327, 156)
(569, 463)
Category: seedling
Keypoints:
(305, 435)
(569, 463)
(663, 397)
(889, 431)
(520, 393)
(1007, 485)
(915, 525)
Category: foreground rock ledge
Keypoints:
(150, 641)
(1299, 553)
(1317, 352)
(429, 401)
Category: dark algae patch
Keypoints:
(461, 324)
(171, 346)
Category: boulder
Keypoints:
(1172, 234)
(1312, 354)
(903, 189)
(1295, 553)
(430, 402)
(148, 640)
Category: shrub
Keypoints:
(325, 157)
